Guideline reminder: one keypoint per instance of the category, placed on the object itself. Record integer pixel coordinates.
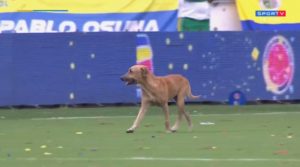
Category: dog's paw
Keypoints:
(190, 128)
(171, 131)
(129, 131)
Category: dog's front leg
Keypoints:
(139, 117)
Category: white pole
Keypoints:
(224, 16)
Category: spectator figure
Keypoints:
(193, 15)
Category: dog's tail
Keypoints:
(191, 96)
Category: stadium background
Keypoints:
(83, 66)
(62, 101)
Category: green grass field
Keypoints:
(248, 136)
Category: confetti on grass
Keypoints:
(43, 146)
(47, 153)
(27, 149)
(79, 133)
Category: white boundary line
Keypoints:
(153, 159)
(211, 159)
(70, 118)
(198, 115)
(247, 114)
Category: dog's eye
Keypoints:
(130, 70)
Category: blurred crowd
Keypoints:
(196, 15)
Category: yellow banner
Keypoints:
(88, 6)
(247, 11)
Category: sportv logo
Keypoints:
(270, 13)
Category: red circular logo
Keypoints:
(278, 65)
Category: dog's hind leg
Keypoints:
(177, 122)
(189, 120)
(139, 118)
(178, 119)
(165, 108)
(180, 105)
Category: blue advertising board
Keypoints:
(75, 68)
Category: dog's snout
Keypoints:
(123, 77)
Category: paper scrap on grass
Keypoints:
(27, 149)
(207, 123)
(47, 153)
(43, 146)
(79, 133)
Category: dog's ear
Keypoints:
(144, 71)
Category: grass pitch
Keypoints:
(248, 136)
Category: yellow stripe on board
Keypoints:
(247, 8)
(91, 6)
(143, 54)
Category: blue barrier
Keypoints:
(74, 68)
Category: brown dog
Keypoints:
(158, 91)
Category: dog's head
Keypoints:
(136, 75)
